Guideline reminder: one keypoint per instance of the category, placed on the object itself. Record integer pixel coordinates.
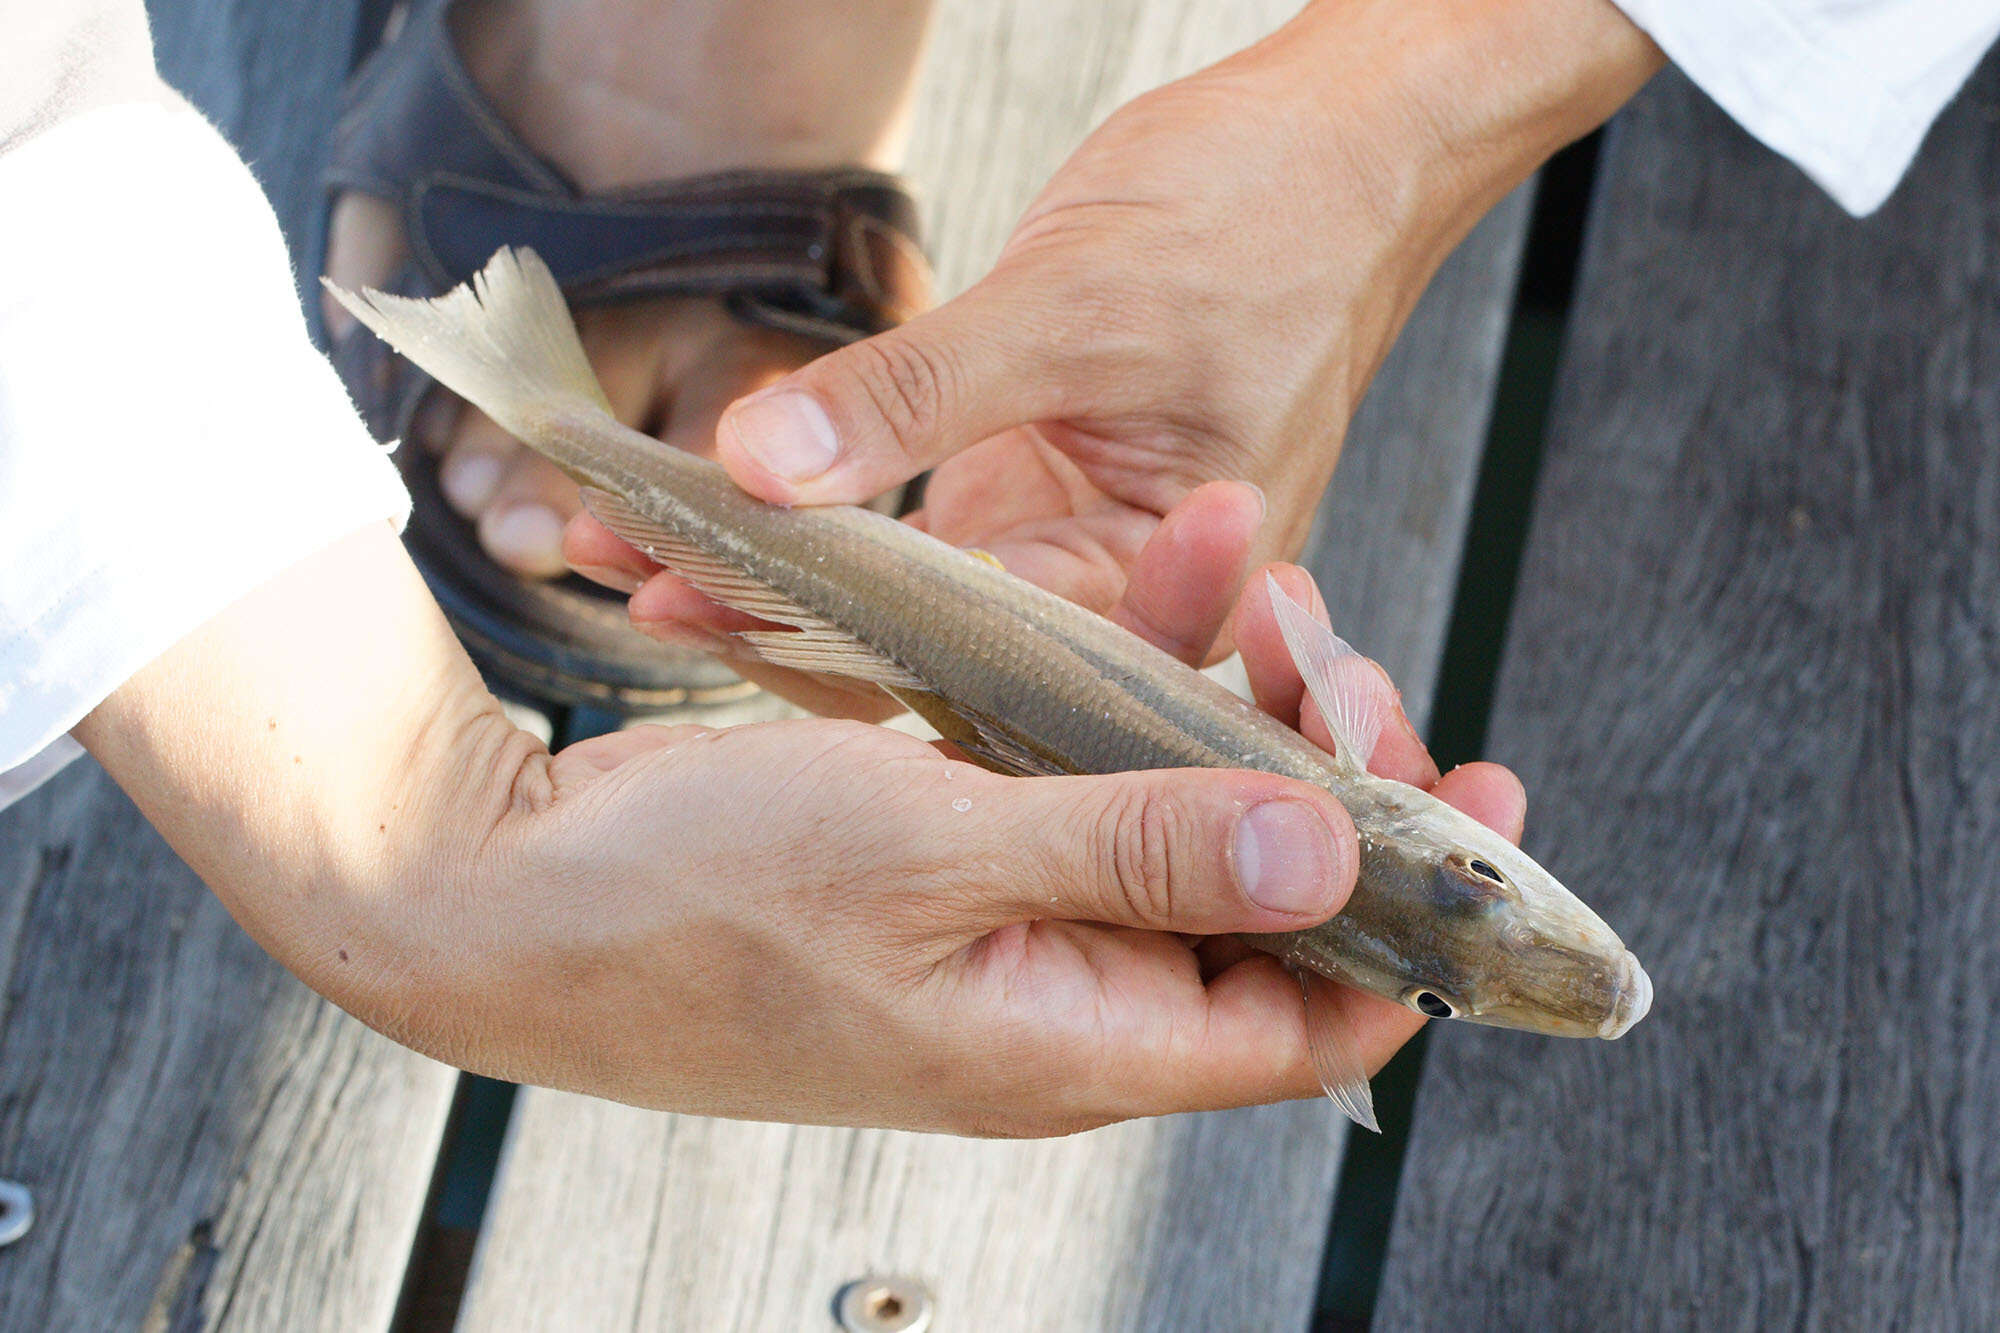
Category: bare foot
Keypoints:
(619, 93)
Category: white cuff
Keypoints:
(1844, 88)
(169, 438)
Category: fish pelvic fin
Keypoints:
(1336, 1057)
(504, 341)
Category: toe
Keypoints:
(526, 538)
(478, 462)
(732, 361)
(364, 248)
(521, 527)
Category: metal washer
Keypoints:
(884, 1305)
(17, 1212)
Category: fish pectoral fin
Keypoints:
(1341, 681)
(1336, 1057)
(811, 644)
(985, 743)
(995, 749)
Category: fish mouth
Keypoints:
(1635, 998)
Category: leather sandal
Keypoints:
(831, 255)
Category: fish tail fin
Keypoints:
(504, 342)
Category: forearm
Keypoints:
(316, 752)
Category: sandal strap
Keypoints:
(830, 254)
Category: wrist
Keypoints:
(1410, 119)
(1467, 97)
(324, 756)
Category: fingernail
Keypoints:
(1263, 501)
(789, 433)
(1285, 857)
(624, 580)
(524, 535)
(469, 480)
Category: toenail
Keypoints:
(528, 534)
(469, 480)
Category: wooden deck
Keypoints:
(1753, 682)
(1752, 678)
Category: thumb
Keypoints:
(875, 413)
(1200, 851)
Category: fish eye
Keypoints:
(1485, 871)
(1431, 1005)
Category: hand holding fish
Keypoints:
(830, 922)
(1447, 917)
(811, 921)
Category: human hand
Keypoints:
(827, 922)
(1203, 291)
(792, 921)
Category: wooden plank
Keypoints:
(209, 1145)
(604, 1215)
(1753, 682)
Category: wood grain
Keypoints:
(607, 1216)
(208, 1144)
(1753, 681)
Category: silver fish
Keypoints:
(1447, 916)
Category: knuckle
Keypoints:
(908, 385)
(1141, 837)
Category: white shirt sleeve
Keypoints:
(1844, 88)
(169, 437)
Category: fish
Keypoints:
(1447, 917)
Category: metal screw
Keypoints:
(883, 1305)
(17, 1212)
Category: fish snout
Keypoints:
(1633, 999)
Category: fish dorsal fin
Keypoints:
(1342, 682)
(812, 644)
(1336, 1058)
